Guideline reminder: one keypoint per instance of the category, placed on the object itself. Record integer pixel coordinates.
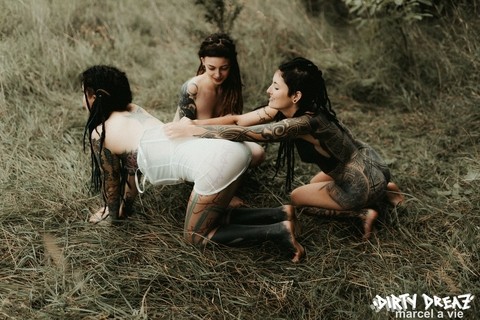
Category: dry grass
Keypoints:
(54, 265)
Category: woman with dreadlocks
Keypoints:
(126, 141)
(353, 180)
(216, 90)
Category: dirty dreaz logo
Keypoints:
(407, 306)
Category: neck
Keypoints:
(290, 112)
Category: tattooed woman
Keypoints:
(216, 90)
(353, 181)
(126, 141)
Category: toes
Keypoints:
(368, 220)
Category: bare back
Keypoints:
(118, 138)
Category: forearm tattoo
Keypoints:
(130, 193)
(292, 127)
(263, 115)
(186, 105)
(110, 177)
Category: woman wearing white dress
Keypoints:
(126, 141)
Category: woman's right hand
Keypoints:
(179, 129)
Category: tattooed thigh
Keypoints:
(352, 190)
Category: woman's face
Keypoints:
(217, 68)
(278, 92)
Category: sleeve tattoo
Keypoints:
(130, 192)
(110, 174)
(187, 107)
(287, 128)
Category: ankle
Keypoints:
(289, 211)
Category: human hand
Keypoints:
(179, 129)
(99, 216)
(186, 120)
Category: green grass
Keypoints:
(422, 116)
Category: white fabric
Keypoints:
(211, 164)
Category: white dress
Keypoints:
(211, 164)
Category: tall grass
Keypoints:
(424, 119)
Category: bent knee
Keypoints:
(258, 156)
(297, 197)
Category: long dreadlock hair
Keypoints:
(302, 75)
(112, 93)
(221, 45)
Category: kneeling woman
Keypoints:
(124, 138)
(354, 181)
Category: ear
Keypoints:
(296, 96)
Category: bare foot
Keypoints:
(99, 216)
(298, 250)
(394, 195)
(291, 216)
(236, 202)
(368, 219)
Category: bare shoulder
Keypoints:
(136, 109)
(191, 86)
(139, 114)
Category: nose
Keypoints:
(269, 90)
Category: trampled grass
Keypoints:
(422, 116)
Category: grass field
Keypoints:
(410, 92)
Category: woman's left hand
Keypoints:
(99, 216)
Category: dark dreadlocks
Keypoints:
(112, 93)
(302, 75)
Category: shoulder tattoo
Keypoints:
(186, 105)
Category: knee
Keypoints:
(296, 197)
(258, 155)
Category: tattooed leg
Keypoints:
(314, 195)
(204, 212)
(202, 215)
(239, 235)
(321, 177)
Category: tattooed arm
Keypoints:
(110, 174)
(186, 105)
(130, 192)
(258, 116)
(292, 127)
